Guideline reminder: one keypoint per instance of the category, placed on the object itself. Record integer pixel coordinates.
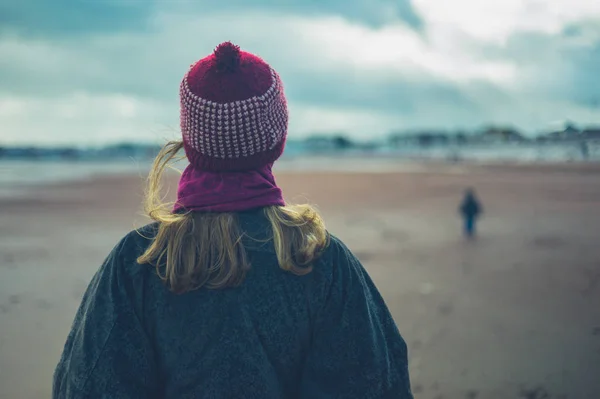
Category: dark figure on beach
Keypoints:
(470, 209)
(231, 292)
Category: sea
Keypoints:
(19, 175)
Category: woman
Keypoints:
(231, 293)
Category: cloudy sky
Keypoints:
(98, 71)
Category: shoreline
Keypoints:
(80, 171)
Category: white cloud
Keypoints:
(497, 21)
(394, 49)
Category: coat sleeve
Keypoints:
(356, 350)
(107, 353)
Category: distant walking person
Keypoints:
(470, 210)
(231, 292)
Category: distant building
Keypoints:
(461, 138)
(592, 133)
(329, 143)
(500, 134)
(342, 142)
(69, 153)
(569, 131)
(420, 138)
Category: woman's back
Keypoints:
(326, 334)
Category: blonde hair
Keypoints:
(194, 249)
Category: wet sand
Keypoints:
(514, 311)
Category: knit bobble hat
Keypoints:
(233, 112)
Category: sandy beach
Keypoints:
(515, 311)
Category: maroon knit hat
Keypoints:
(233, 112)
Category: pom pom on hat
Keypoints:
(227, 57)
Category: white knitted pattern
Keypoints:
(237, 129)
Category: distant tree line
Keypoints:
(324, 142)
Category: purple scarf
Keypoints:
(204, 191)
